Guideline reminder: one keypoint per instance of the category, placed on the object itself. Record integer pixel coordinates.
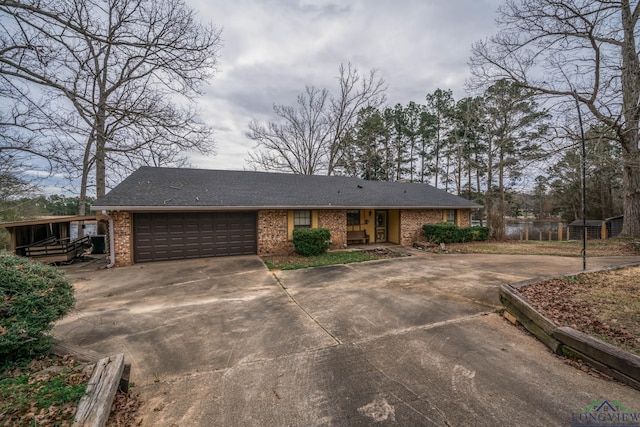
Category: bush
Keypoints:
(34, 296)
(450, 233)
(311, 241)
(479, 234)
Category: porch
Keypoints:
(368, 226)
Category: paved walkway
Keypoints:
(406, 341)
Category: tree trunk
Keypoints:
(631, 199)
(499, 219)
(488, 204)
(629, 135)
(437, 154)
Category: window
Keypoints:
(353, 217)
(302, 219)
(452, 216)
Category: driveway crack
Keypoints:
(284, 289)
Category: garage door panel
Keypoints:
(168, 236)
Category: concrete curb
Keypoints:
(613, 361)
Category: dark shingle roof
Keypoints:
(590, 223)
(194, 189)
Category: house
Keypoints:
(173, 213)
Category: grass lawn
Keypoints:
(595, 248)
(294, 262)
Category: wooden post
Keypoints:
(95, 405)
(603, 231)
(559, 232)
(549, 234)
(521, 235)
(526, 233)
(540, 233)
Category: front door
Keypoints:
(381, 226)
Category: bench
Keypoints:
(359, 236)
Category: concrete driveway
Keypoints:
(406, 341)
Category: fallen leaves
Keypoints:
(604, 304)
(31, 395)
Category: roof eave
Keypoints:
(259, 208)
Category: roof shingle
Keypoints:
(199, 189)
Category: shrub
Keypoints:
(479, 234)
(450, 233)
(34, 295)
(311, 241)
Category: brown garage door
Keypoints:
(168, 236)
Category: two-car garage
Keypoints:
(180, 235)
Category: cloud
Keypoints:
(273, 48)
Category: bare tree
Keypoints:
(117, 75)
(310, 138)
(356, 92)
(301, 143)
(586, 48)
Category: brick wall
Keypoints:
(465, 217)
(336, 222)
(272, 233)
(411, 222)
(273, 230)
(122, 233)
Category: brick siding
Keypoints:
(272, 233)
(273, 230)
(122, 233)
(465, 217)
(336, 222)
(411, 222)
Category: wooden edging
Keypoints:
(82, 354)
(95, 406)
(618, 363)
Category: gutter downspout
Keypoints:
(112, 247)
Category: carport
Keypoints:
(47, 230)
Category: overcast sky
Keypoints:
(273, 48)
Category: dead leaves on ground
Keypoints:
(604, 304)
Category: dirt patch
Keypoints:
(125, 410)
(382, 252)
(605, 304)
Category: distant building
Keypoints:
(596, 228)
